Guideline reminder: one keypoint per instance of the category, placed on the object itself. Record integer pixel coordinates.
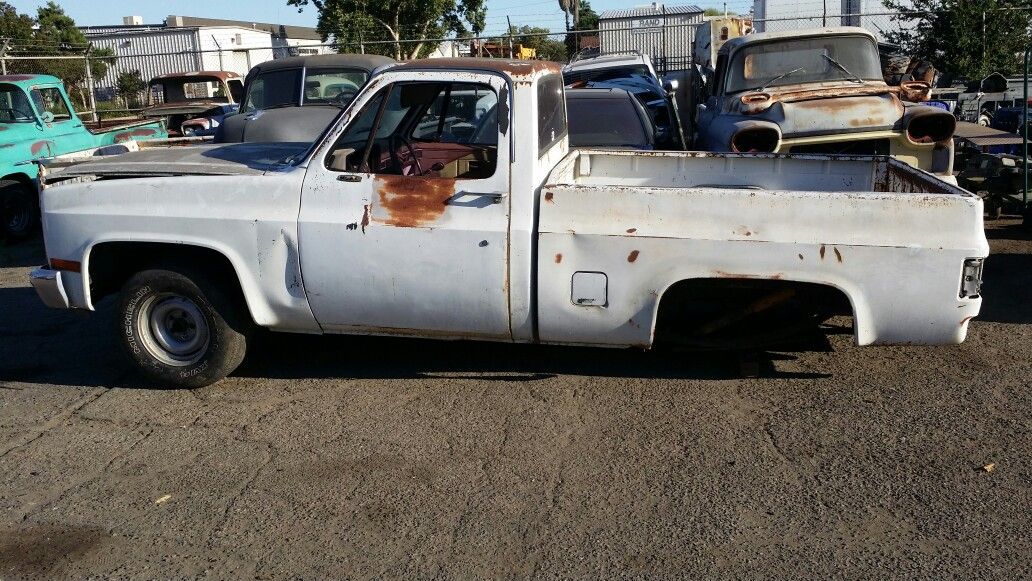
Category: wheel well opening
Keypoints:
(112, 263)
(20, 178)
(744, 313)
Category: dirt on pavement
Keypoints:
(335, 457)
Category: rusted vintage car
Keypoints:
(179, 97)
(817, 91)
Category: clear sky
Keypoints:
(544, 13)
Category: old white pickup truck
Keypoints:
(444, 203)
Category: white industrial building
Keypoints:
(184, 43)
(662, 32)
(776, 15)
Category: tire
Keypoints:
(19, 210)
(180, 328)
(994, 210)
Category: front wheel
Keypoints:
(180, 329)
(19, 210)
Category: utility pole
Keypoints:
(3, 56)
(89, 84)
(824, 19)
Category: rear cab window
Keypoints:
(551, 112)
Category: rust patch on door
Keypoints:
(558, 258)
(549, 196)
(365, 216)
(632, 256)
(411, 202)
(129, 135)
(39, 146)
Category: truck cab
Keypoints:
(37, 121)
(816, 91)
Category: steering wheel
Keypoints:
(15, 112)
(344, 97)
(411, 152)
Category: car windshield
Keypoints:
(622, 127)
(280, 88)
(14, 106)
(193, 88)
(805, 60)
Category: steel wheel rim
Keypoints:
(174, 329)
(17, 216)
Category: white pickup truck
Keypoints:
(444, 203)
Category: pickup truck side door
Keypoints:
(403, 227)
(65, 133)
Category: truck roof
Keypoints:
(512, 67)
(30, 79)
(223, 75)
(758, 37)
(359, 61)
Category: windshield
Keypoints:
(805, 60)
(179, 89)
(14, 106)
(322, 87)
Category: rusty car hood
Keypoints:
(815, 110)
(210, 159)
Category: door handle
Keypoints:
(349, 178)
(495, 197)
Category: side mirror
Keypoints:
(670, 86)
(47, 117)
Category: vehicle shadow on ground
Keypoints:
(24, 253)
(1009, 232)
(283, 356)
(1007, 289)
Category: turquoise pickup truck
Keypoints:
(37, 122)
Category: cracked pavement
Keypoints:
(366, 458)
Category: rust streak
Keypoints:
(365, 216)
(632, 256)
(412, 202)
(558, 258)
(822, 251)
(549, 196)
(838, 255)
(966, 319)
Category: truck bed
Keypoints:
(874, 228)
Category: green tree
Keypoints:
(587, 19)
(129, 86)
(534, 37)
(388, 22)
(14, 26)
(712, 12)
(964, 38)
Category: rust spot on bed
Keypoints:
(549, 196)
(129, 135)
(633, 324)
(838, 255)
(966, 319)
(558, 258)
(800, 257)
(632, 256)
(823, 249)
(632, 230)
(411, 202)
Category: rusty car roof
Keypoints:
(758, 37)
(223, 75)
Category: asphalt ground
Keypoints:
(364, 458)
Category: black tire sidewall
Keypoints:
(15, 196)
(226, 344)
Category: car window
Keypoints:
(332, 86)
(272, 89)
(425, 129)
(236, 89)
(49, 99)
(622, 128)
(551, 111)
(14, 106)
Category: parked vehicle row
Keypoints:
(445, 202)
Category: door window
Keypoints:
(49, 99)
(425, 129)
(273, 89)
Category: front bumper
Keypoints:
(49, 287)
